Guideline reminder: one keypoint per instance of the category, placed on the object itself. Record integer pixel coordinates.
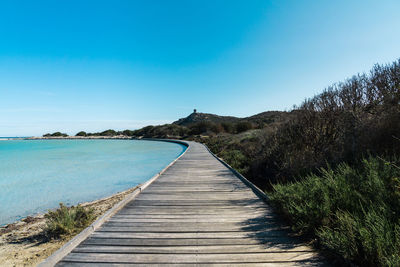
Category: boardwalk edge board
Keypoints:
(74, 242)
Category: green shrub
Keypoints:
(243, 126)
(128, 132)
(236, 160)
(228, 127)
(81, 133)
(56, 134)
(371, 239)
(353, 212)
(109, 132)
(205, 127)
(66, 221)
(59, 134)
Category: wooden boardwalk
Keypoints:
(196, 213)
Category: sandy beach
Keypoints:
(23, 243)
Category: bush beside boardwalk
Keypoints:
(353, 211)
(66, 221)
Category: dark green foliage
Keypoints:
(353, 211)
(205, 128)
(243, 126)
(56, 134)
(236, 160)
(81, 133)
(128, 133)
(268, 118)
(162, 131)
(345, 122)
(228, 127)
(66, 221)
(109, 132)
(145, 131)
(197, 117)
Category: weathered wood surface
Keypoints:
(196, 213)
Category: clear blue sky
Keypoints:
(94, 65)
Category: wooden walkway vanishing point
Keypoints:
(197, 213)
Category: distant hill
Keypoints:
(198, 123)
(264, 118)
(260, 119)
(204, 117)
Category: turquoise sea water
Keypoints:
(36, 175)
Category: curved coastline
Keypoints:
(36, 215)
(18, 229)
(70, 245)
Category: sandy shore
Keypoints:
(23, 244)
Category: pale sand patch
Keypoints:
(22, 243)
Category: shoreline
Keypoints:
(22, 242)
(120, 137)
(116, 137)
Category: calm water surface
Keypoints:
(35, 175)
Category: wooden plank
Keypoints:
(182, 198)
(155, 205)
(189, 217)
(281, 242)
(204, 206)
(193, 215)
(197, 210)
(190, 258)
(187, 249)
(193, 235)
(311, 262)
(198, 202)
(177, 228)
(215, 226)
(182, 220)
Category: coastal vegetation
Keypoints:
(56, 134)
(352, 211)
(81, 133)
(66, 221)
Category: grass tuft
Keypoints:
(66, 221)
